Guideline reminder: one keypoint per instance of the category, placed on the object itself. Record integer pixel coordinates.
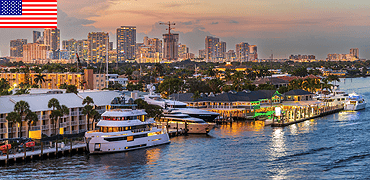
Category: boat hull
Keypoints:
(353, 107)
(193, 128)
(98, 145)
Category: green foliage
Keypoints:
(4, 87)
(131, 86)
(22, 91)
(71, 89)
(302, 72)
(170, 85)
(152, 110)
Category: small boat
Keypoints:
(355, 102)
(124, 130)
(178, 120)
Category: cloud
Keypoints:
(233, 22)
(214, 22)
(187, 23)
(176, 5)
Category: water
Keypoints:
(332, 147)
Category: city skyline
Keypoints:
(279, 27)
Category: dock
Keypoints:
(303, 114)
(39, 154)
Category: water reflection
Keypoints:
(277, 150)
(240, 128)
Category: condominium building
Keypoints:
(354, 52)
(71, 47)
(126, 41)
(170, 49)
(16, 47)
(82, 48)
(242, 51)
(52, 38)
(36, 35)
(97, 46)
(34, 52)
(72, 123)
(150, 51)
(54, 80)
(253, 55)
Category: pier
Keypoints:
(43, 153)
(301, 114)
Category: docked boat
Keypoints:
(355, 102)
(207, 116)
(123, 130)
(178, 120)
(155, 99)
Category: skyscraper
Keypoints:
(211, 47)
(221, 50)
(82, 48)
(71, 47)
(16, 47)
(52, 38)
(354, 52)
(126, 42)
(242, 51)
(36, 36)
(253, 55)
(33, 52)
(97, 42)
(170, 47)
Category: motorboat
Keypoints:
(355, 102)
(155, 99)
(123, 130)
(180, 121)
(207, 116)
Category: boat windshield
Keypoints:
(156, 98)
(126, 118)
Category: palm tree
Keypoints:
(13, 118)
(21, 107)
(87, 110)
(237, 77)
(96, 115)
(39, 79)
(31, 119)
(88, 100)
(64, 111)
(55, 113)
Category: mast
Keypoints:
(106, 59)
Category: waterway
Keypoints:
(331, 147)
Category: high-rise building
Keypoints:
(253, 55)
(211, 47)
(183, 49)
(126, 42)
(110, 48)
(52, 38)
(71, 47)
(150, 51)
(97, 42)
(221, 50)
(230, 55)
(16, 47)
(242, 51)
(202, 53)
(170, 47)
(354, 52)
(33, 52)
(82, 48)
(36, 36)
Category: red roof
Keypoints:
(289, 78)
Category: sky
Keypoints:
(279, 27)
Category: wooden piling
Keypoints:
(42, 149)
(24, 149)
(7, 154)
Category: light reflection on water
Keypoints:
(330, 147)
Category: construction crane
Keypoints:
(169, 26)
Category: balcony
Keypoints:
(82, 130)
(74, 123)
(65, 124)
(3, 120)
(74, 113)
(10, 130)
(75, 132)
(35, 128)
(82, 122)
(45, 127)
(3, 131)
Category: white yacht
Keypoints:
(123, 130)
(336, 97)
(207, 116)
(178, 120)
(155, 99)
(355, 102)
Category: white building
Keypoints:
(74, 122)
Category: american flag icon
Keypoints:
(28, 13)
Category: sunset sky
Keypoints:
(281, 27)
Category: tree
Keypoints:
(170, 86)
(39, 79)
(22, 91)
(21, 107)
(88, 100)
(88, 110)
(152, 110)
(4, 87)
(64, 111)
(196, 95)
(31, 119)
(71, 89)
(13, 118)
(55, 113)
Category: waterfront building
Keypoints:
(52, 38)
(202, 54)
(354, 52)
(298, 95)
(126, 41)
(34, 52)
(54, 80)
(16, 47)
(97, 46)
(36, 35)
(74, 122)
(242, 52)
(170, 47)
